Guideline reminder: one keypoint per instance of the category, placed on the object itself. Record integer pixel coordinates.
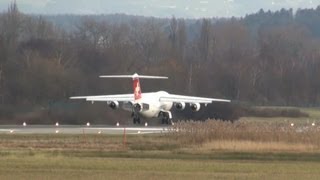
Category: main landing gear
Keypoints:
(165, 117)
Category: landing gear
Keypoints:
(136, 118)
(165, 118)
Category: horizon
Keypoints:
(158, 8)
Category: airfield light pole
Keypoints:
(124, 135)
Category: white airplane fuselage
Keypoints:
(155, 106)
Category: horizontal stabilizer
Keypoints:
(134, 76)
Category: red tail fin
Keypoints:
(136, 89)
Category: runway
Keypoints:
(73, 129)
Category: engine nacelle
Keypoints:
(195, 107)
(180, 105)
(114, 104)
(139, 107)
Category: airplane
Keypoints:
(151, 104)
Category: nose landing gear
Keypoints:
(136, 118)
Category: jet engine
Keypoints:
(139, 107)
(195, 107)
(180, 105)
(114, 104)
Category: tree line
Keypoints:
(266, 58)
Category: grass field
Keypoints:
(253, 148)
(60, 167)
(314, 113)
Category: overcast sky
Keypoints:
(158, 8)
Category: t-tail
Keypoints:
(136, 82)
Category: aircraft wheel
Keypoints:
(160, 114)
(136, 118)
(165, 118)
(166, 121)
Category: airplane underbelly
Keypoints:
(152, 113)
(154, 110)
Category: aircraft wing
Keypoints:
(116, 97)
(189, 99)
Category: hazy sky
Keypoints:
(159, 8)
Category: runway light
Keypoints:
(146, 124)
(57, 131)
(292, 124)
(24, 124)
(313, 124)
(117, 124)
(99, 132)
(88, 124)
(57, 124)
(139, 132)
(11, 131)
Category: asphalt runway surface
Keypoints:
(73, 129)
